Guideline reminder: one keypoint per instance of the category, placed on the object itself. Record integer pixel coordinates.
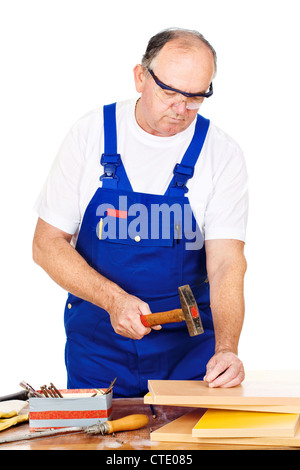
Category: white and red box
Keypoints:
(77, 408)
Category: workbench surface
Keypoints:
(131, 440)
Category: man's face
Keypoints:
(189, 70)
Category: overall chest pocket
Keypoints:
(135, 243)
(137, 218)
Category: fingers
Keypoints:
(129, 325)
(125, 317)
(225, 369)
(131, 329)
(156, 327)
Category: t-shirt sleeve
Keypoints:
(226, 212)
(58, 202)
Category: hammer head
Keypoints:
(190, 311)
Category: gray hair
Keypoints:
(157, 42)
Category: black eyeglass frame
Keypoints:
(188, 95)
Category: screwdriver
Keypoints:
(128, 423)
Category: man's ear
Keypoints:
(139, 77)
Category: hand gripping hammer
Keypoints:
(189, 312)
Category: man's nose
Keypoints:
(180, 106)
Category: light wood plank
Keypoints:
(198, 393)
(148, 400)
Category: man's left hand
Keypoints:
(224, 369)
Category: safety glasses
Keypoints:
(172, 96)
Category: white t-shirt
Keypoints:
(217, 192)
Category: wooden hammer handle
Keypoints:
(128, 423)
(161, 318)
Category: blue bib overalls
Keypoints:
(143, 243)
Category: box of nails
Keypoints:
(52, 408)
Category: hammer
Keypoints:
(188, 312)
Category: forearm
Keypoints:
(70, 271)
(227, 304)
(226, 267)
(53, 252)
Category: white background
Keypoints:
(61, 58)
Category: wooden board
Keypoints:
(180, 430)
(148, 400)
(195, 393)
(229, 423)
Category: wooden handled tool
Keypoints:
(161, 318)
(128, 423)
(189, 312)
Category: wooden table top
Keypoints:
(131, 440)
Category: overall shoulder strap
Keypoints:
(114, 175)
(185, 170)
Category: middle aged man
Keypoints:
(101, 232)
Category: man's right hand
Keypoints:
(125, 311)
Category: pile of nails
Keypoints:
(50, 391)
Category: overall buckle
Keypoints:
(110, 163)
(182, 174)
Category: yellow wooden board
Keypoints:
(230, 423)
(148, 399)
(195, 393)
(181, 429)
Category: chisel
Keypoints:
(23, 395)
(128, 423)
